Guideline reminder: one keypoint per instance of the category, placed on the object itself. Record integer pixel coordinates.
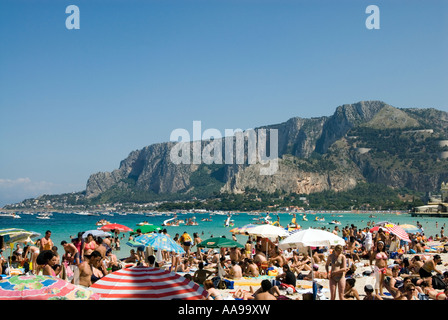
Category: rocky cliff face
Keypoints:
(315, 155)
(149, 169)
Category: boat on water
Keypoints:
(293, 224)
(10, 215)
(144, 223)
(319, 219)
(229, 222)
(171, 222)
(85, 213)
(207, 219)
(335, 222)
(44, 216)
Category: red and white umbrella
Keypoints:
(396, 230)
(115, 226)
(146, 283)
(377, 228)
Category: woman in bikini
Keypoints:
(338, 263)
(90, 245)
(50, 260)
(34, 251)
(213, 293)
(380, 267)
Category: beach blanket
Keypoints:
(251, 281)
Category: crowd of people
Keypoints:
(398, 268)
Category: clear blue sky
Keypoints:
(75, 102)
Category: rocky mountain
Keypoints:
(368, 141)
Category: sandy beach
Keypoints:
(304, 286)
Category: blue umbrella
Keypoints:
(159, 241)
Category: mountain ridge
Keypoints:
(315, 154)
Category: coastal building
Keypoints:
(437, 205)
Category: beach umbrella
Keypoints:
(159, 241)
(115, 227)
(96, 233)
(219, 243)
(40, 287)
(12, 235)
(134, 244)
(268, 231)
(396, 230)
(146, 283)
(377, 228)
(243, 229)
(311, 238)
(147, 228)
(409, 228)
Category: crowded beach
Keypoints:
(372, 264)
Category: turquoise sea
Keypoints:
(64, 225)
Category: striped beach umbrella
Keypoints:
(396, 230)
(146, 283)
(12, 235)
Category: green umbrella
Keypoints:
(219, 243)
(147, 228)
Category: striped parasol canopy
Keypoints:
(12, 235)
(396, 230)
(146, 283)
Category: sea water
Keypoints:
(65, 226)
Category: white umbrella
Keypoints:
(96, 233)
(267, 231)
(311, 238)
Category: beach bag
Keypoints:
(228, 284)
(437, 282)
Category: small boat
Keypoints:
(335, 222)
(42, 217)
(228, 222)
(144, 223)
(171, 222)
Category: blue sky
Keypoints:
(75, 102)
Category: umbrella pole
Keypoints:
(312, 275)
